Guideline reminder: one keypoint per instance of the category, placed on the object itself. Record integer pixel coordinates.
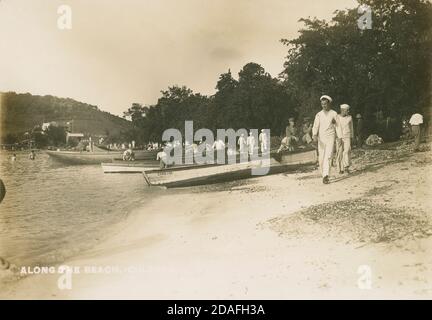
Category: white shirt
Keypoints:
(416, 119)
(251, 141)
(161, 156)
(263, 139)
(231, 151)
(325, 124)
(242, 143)
(219, 145)
(345, 128)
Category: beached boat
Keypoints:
(214, 173)
(97, 157)
(77, 157)
(145, 154)
(129, 166)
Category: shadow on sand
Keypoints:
(372, 167)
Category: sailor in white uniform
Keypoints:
(324, 131)
(345, 133)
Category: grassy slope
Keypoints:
(21, 112)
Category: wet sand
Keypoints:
(240, 241)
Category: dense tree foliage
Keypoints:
(384, 73)
(385, 70)
(255, 100)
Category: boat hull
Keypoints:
(209, 174)
(82, 158)
(128, 167)
(145, 154)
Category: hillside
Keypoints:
(22, 112)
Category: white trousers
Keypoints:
(325, 154)
(343, 154)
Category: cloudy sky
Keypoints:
(119, 52)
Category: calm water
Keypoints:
(52, 211)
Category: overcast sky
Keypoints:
(119, 52)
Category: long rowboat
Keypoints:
(145, 154)
(77, 157)
(213, 173)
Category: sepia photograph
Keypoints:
(242, 150)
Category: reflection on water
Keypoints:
(52, 211)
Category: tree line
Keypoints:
(384, 73)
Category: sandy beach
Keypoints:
(285, 236)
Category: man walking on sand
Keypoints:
(345, 133)
(324, 131)
(416, 121)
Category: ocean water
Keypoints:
(52, 211)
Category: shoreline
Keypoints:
(227, 241)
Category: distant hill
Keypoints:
(22, 112)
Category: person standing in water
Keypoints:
(32, 155)
(324, 131)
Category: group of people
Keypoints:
(330, 132)
(32, 156)
(122, 146)
(294, 136)
(246, 146)
(250, 145)
(331, 129)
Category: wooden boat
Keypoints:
(145, 154)
(140, 155)
(77, 157)
(129, 166)
(214, 173)
(97, 157)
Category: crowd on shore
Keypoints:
(335, 134)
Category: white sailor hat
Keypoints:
(326, 97)
(344, 106)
